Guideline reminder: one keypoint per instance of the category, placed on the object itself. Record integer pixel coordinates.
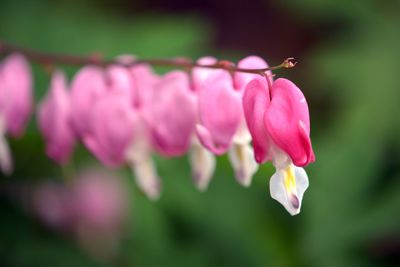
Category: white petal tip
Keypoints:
(287, 186)
(152, 190)
(6, 162)
(292, 206)
(242, 160)
(200, 182)
(243, 179)
(147, 179)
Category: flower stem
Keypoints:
(75, 60)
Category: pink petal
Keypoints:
(15, 93)
(120, 79)
(112, 125)
(88, 86)
(206, 140)
(54, 120)
(144, 81)
(255, 103)
(99, 199)
(288, 123)
(173, 114)
(199, 75)
(220, 111)
(251, 62)
(51, 203)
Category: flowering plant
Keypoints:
(123, 113)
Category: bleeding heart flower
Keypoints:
(87, 87)
(103, 112)
(222, 125)
(201, 160)
(119, 79)
(219, 112)
(15, 93)
(52, 204)
(199, 75)
(240, 154)
(100, 199)
(280, 128)
(110, 128)
(15, 103)
(54, 116)
(241, 79)
(144, 81)
(109, 107)
(172, 114)
(138, 154)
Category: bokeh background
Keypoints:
(348, 53)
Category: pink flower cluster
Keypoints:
(93, 209)
(125, 114)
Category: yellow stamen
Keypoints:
(239, 150)
(289, 180)
(290, 186)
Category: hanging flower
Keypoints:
(111, 129)
(222, 127)
(280, 128)
(54, 116)
(87, 87)
(172, 114)
(139, 153)
(15, 103)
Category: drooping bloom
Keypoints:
(51, 202)
(241, 155)
(110, 129)
(15, 103)
(93, 208)
(87, 87)
(101, 205)
(139, 153)
(103, 114)
(202, 160)
(111, 118)
(222, 127)
(172, 114)
(108, 116)
(100, 199)
(219, 112)
(280, 128)
(54, 116)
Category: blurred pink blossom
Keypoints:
(87, 87)
(172, 114)
(54, 116)
(15, 103)
(15, 93)
(93, 209)
(110, 128)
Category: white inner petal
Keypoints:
(147, 178)
(242, 159)
(242, 135)
(6, 164)
(138, 155)
(202, 162)
(279, 158)
(288, 185)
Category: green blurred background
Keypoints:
(348, 53)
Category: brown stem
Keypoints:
(65, 59)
